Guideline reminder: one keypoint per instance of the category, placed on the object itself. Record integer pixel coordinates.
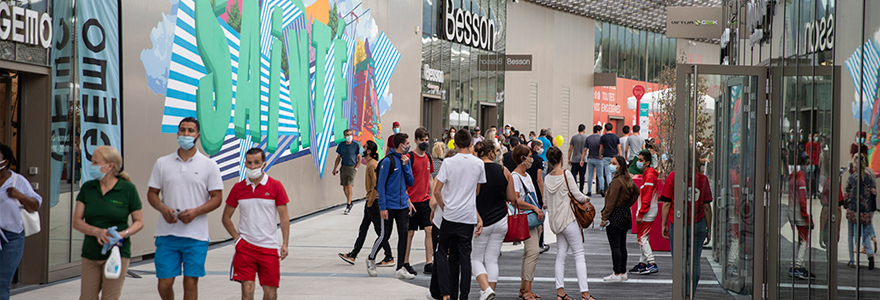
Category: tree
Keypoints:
(664, 118)
(333, 21)
(234, 19)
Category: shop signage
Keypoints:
(432, 74)
(819, 34)
(693, 22)
(510, 62)
(467, 28)
(25, 26)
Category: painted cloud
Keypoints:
(158, 59)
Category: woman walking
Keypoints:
(104, 206)
(620, 196)
(492, 208)
(437, 155)
(859, 212)
(522, 156)
(569, 235)
(15, 191)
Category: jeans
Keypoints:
(570, 238)
(487, 247)
(606, 165)
(10, 255)
(696, 247)
(371, 216)
(617, 241)
(455, 243)
(401, 217)
(578, 172)
(867, 231)
(596, 167)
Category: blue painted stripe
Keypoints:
(175, 94)
(174, 75)
(179, 112)
(189, 64)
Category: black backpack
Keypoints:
(430, 159)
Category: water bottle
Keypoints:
(113, 266)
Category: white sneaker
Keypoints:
(624, 277)
(371, 268)
(488, 294)
(403, 274)
(613, 278)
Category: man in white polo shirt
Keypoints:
(190, 186)
(456, 192)
(260, 198)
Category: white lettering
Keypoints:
(432, 74)
(467, 28)
(5, 23)
(829, 43)
(475, 31)
(32, 19)
(25, 26)
(45, 31)
(459, 25)
(819, 35)
(449, 22)
(17, 24)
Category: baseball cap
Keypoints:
(477, 128)
(395, 124)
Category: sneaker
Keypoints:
(589, 194)
(545, 248)
(871, 262)
(388, 262)
(347, 257)
(800, 273)
(613, 278)
(488, 294)
(624, 277)
(409, 269)
(652, 268)
(403, 274)
(429, 268)
(371, 268)
(347, 209)
(637, 269)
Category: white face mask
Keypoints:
(254, 173)
(3, 167)
(349, 138)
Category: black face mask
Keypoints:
(423, 146)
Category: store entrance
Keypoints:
(432, 115)
(10, 120)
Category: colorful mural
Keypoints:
(869, 90)
(323, 66)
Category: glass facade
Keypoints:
(628, 51)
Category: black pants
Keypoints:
(401, 217)
(579, 172)
(617, 240)
(455, 244)
(371, 216)
(435, 279)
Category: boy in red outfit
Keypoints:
(799, 215)
(646, 214)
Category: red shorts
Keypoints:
(249, 260)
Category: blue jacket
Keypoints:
(392, 194)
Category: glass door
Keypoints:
(718, 200)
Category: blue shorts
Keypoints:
(173, 252)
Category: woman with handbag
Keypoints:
(616, 219)
(103, 203)
(569, 235)
(860, 187)
(522, 156)
(492, 208)
(16, 197)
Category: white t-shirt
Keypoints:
(185, 185)
(460, 176)
(519, 181)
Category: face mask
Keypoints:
(540, 151)
(451, 135)
(640, 165)
(613, 169)
(95, 172)
(815, 139)
(396, 130)
(423, 146)
(863, 140)
(802, 136)
(507, 131)
(348, 138)
(654, 157)
(791, 136)
(254, 173)
(665, 157)
(406, 150)
(186, 142)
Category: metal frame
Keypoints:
(684, 71)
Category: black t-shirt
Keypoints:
(508, 162)
(492, 200)
(610, 141)
(535, 171)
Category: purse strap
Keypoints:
(528, 192)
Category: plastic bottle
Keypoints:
(113, 266)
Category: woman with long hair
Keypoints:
(437, 155)
(616, 219)
(523, 185)
(569, 235)
(492, 208)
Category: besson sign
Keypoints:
(467, 28)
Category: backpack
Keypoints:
(379, 167)
(430, 159)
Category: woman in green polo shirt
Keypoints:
(102, 203)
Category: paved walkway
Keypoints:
(314, 271)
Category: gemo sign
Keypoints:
(468, 28)
(819, 34)
(25, 26)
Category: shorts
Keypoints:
(173, 251)
(422, 217)
(250, 260)
(346, 175)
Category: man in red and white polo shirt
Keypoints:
(256, 244)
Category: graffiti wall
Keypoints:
(287, 76)
(868, 78)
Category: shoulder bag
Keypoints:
(30, 220)
(517, 224)
(584, 213)
(531, 199)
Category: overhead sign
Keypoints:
(510, 62)
(467, 28)
(25, 26)
(432, 74)
(819, 34)
(693, 22)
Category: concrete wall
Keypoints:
(561, 45)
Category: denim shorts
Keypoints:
(173, 252)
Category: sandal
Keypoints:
(529, 296)
(563, 297)
(591, 297)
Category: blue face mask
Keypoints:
(640, 165)
(396, 130)
(186, 142)
(665, 157)
(613, 169)
(863, 140)
(95, 172)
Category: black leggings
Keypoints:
(401, 217)
(371, 216)
(454, 249)
(617, 240)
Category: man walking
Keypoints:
(634, 144)
(256, 245)
(623, 139)
(477, 137)
(575, 156)
(456, 192)
(594, 160)
(349, 154)
(190, 186)
(395, 129)
(419, 197)
(609, 146)
(395, 175)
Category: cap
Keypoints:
(507, 125)
(477, 128)
(864, 134)
(395, 124)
